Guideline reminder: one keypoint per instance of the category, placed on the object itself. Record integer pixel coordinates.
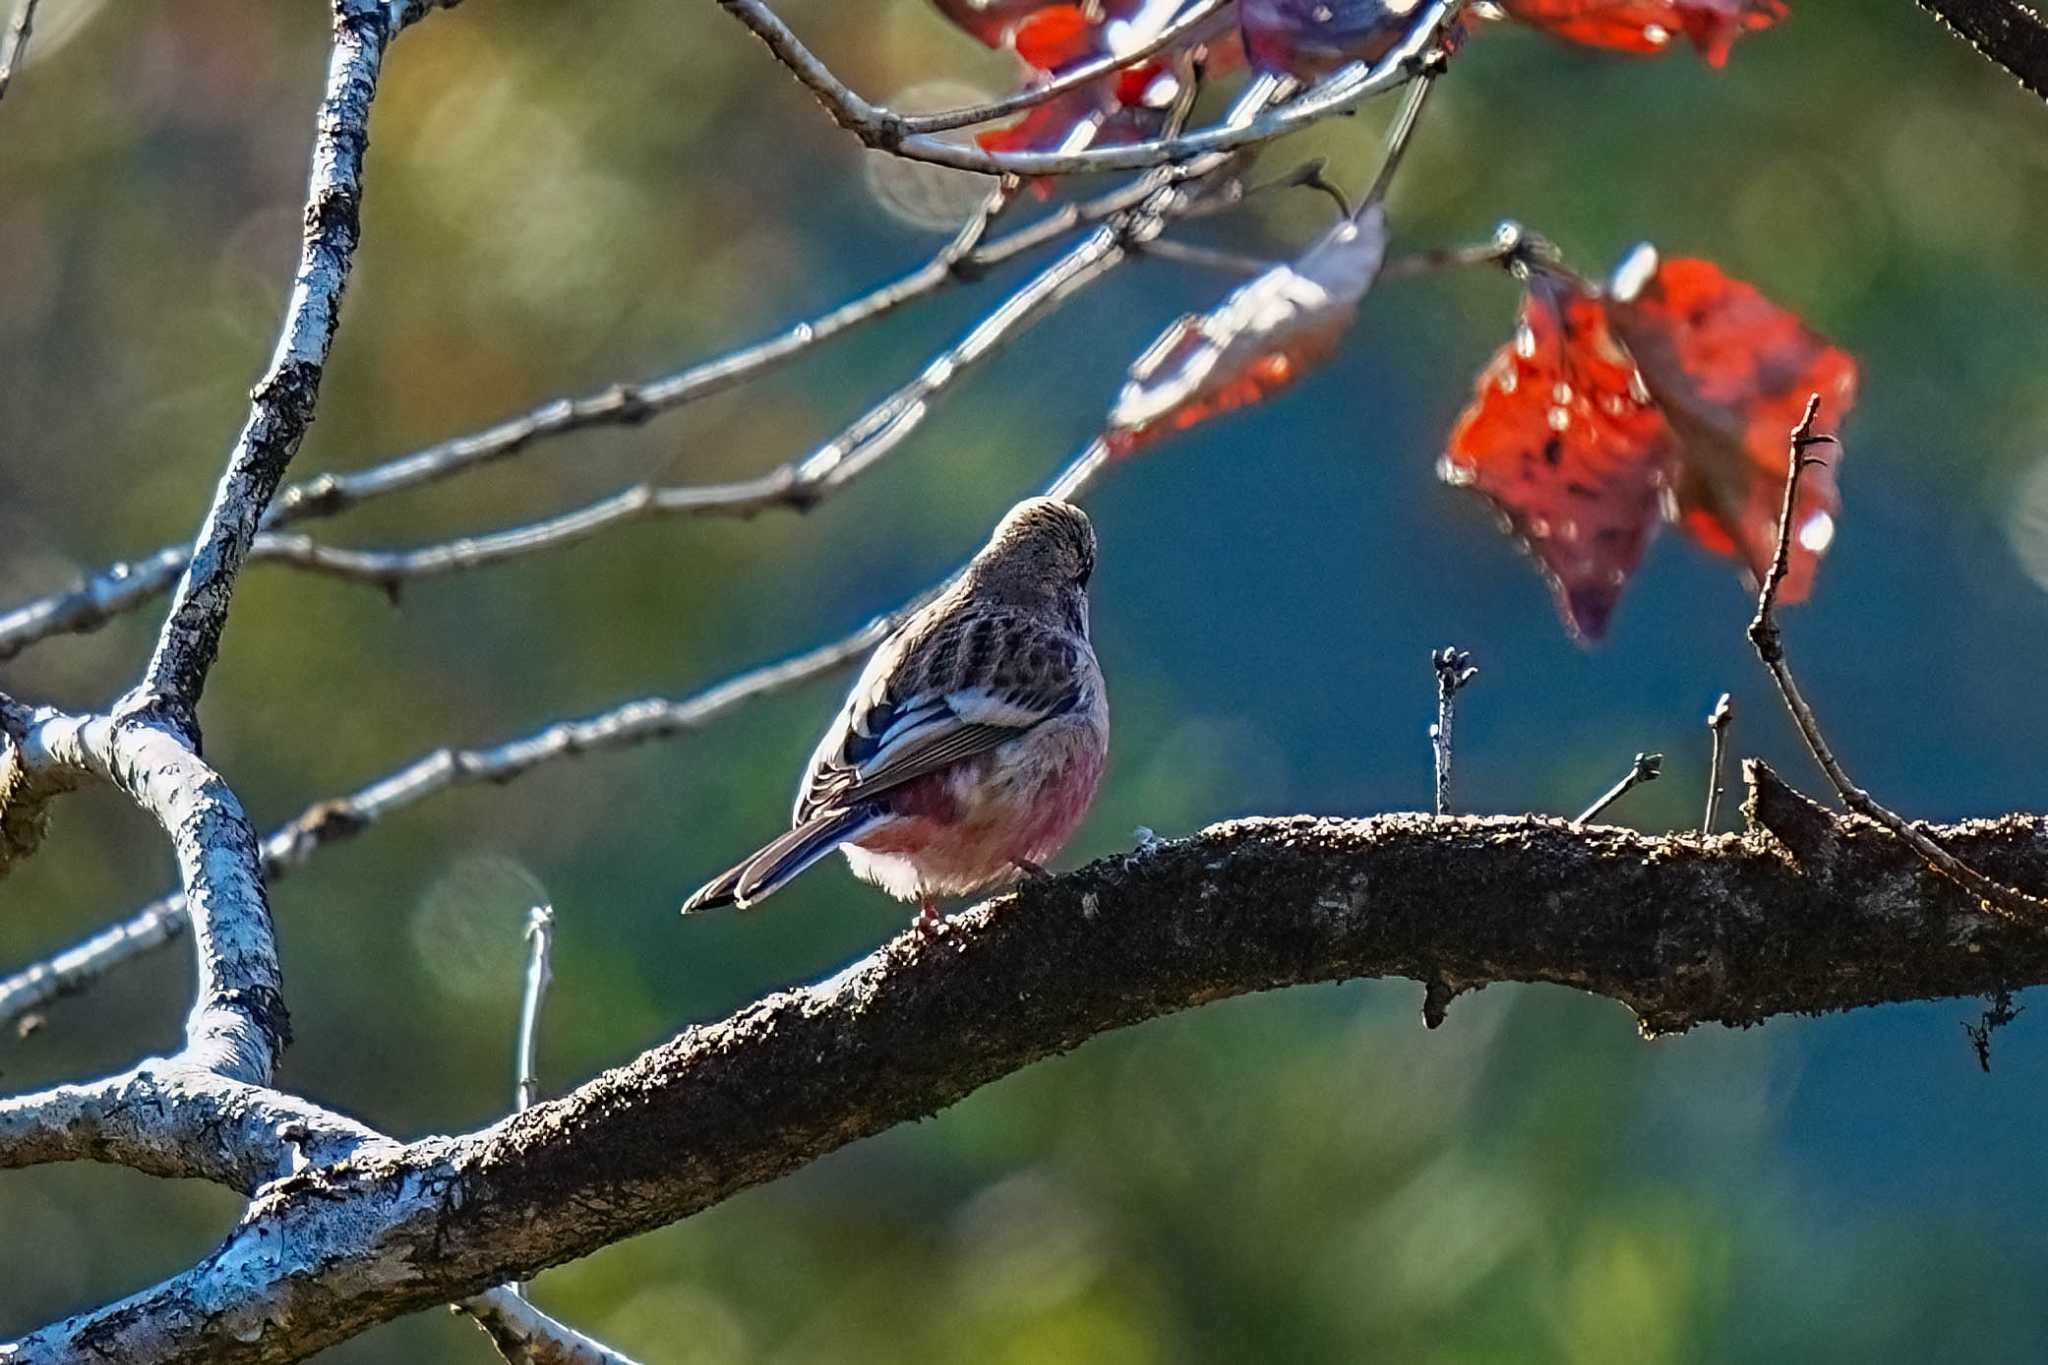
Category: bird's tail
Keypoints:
(763, 873)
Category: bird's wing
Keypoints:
(958, 688)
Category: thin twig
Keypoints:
(16, 41)
(1418, 50)
(523, 1335)
(124, 587)
(1454, 670)
(294, 844)
(1208, 258)
(1764, 636)
(1997, 1014)
(540, 938)
(1399, 137)
(1645, 768)
(1717, 722)
(801, 483)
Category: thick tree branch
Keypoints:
(238, 1025)
(282, 403)
(1806, 912)
(173, 1119)
(2006, 31)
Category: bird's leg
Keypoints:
(929, 924)
(1032, 871)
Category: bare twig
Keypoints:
(1454, 670)
(1645, 768)
(540, 938)
(328, 822)
(1764, 636)
(802, 483)
(1418, 50)
(283, 400)
(1717, 722)
(1401, 135)
(1208, 258)
(14, 45)
(124, 587)
(2000, 1012)
(526, 1336)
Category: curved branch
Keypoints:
(238, 1026)
(281, 404)
(1806, 912)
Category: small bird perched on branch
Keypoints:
(973, 742)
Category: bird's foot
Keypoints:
(1033, 872)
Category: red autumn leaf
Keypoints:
(1562, 439)
(1648, 26)
(1056, 36)
(1259, 340)
(1732, 372)
(1311, 38)
(991, 21)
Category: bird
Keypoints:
(973, 742)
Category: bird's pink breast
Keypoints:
(967, 827)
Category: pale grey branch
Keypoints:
(238, 1026)
(282, 403)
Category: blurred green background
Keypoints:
(560, 196)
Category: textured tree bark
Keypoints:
(2006, 31)
(1806, 912)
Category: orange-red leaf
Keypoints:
(991, 21)
(1732, 372)
(1563, 440)
(1054, 37)
(1649, 26)
(1259, 340)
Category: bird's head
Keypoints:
(1040, 557)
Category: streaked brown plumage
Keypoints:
(972, 743)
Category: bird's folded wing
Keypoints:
(884, 741)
